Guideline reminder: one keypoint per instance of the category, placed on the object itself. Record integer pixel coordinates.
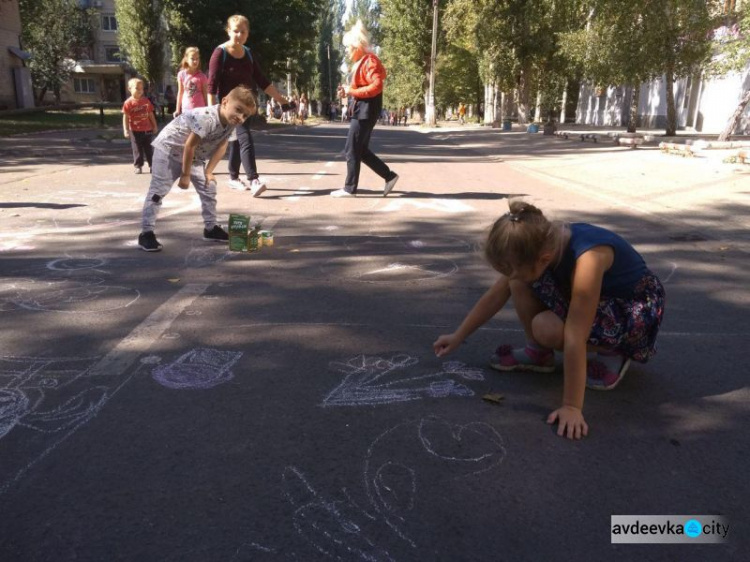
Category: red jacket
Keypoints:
(368, 78)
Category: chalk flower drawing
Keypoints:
(372, 381)
(199, 368)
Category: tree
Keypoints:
(328, 56)
(55, 32)
(141, 36)
(636, 41)
(369, 12)
(732, 42)
(407, 42)
(280, 30)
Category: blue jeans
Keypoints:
(243, 150)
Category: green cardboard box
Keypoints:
(238, 225)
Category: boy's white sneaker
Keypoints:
(238, 184)
(342, 193)
(257, 187)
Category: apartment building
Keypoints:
(102, 75)
(15, 80)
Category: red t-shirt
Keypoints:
(138, 111)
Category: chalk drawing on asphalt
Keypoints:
(412, 462)
(386, 269)
(71, 284)
(405, 469)
(373, 381)
(198, 369)
(46, 400)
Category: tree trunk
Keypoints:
(671, 111)
(40, 98)
(523, 97)
(633, 119)
(735, 118)
(564, 103)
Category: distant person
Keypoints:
(462, 113)
(366, 91)
(192, 84)
(232, 64)
(187, 150)
(576, 288)
(139, 124)
(170, 99)
(303, 108)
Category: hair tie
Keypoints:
(513, 217)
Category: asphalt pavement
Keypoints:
(198, 404)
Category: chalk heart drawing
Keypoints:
(198, 369)
(409, 465)
(372, 381)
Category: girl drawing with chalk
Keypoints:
(576, 288)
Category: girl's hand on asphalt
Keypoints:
(569, 420)
(445, 344)
(184, 182)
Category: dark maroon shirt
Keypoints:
(235, 72)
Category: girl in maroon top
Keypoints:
(231, 65)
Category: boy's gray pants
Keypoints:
(164, 173)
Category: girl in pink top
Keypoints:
(192, 83)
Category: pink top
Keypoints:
(192, 89)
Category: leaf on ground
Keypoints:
(494, 397)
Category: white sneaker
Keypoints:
(389, 185)
(238, 184)
(342, 193)
(257, 187)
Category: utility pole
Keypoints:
(330, 83)
(430, 110)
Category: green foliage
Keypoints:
(636, 41)
(279, 29)
(141, 36)
(732, 42)
(369, 12)
(407, 42)
(55, 32)
(328, 41)
(458, 77)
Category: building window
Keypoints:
(112, 54)
(84, 86)
(109, 22)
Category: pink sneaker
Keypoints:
(523, 359)
(601, 377)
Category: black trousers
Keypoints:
(357, 151)
(243, 151)
(140, 142)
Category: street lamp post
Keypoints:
(330, 83)
(430, 112)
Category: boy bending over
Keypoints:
(189, 148)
